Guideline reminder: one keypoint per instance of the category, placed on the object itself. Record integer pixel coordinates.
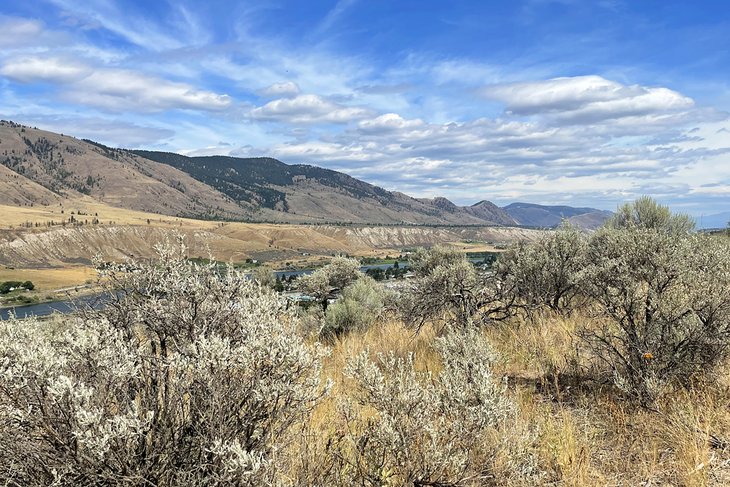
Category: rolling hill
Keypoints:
(300, 192)
(44, 168)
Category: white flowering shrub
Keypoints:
(190, 376)
(408, 427)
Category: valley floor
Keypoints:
(42, 244)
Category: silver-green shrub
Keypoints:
(190, 376)
(645, 212)
(409, 427)
(448, 289)
(340, 272)
(545, 273)
(360, 305)
(664, 303)
(447, 286)
(265, 276)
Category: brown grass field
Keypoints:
(66, 251)
(47, 280)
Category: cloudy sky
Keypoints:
(582, 102)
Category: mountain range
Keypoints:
(714, 221)
(45, 168)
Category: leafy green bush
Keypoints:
(6, 286)
(360, 305)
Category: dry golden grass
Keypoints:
(587, 434)
(47, 280)
(238, 238)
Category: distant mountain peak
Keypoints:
(534, 215)
(484, 203)
(444, 204)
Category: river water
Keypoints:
(45, 309)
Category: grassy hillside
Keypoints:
(301, 192)
(251, 179)
(43, 168)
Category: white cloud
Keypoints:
(54, 70)
(22, 35)
(630, 139)
(113, 89)
(584, 99)
(122, 89)
(388, 123)
(307, 109)
(18, 31)
(286, 89)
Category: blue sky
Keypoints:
(551, 101)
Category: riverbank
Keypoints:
(92, 295)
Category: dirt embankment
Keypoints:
(400, 237)
(78, 245)
(58, 247)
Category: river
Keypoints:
(45, 309)
(63, 307)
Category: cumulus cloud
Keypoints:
(585, 99)
(629, 137)
(307, 109)
(390, 122)
(286, 89)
